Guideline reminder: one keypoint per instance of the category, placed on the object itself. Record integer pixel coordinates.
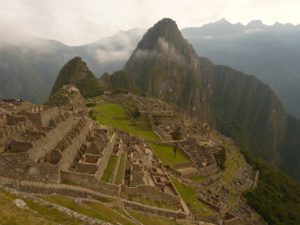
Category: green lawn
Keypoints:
(92, 209)
(121, 169)
(37, 214)
(188, 195)
(197, 178)
(115, 116)
(110, 168)
(167, 156)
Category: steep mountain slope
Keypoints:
(28, 71)
(77, 73)
(164, 65)
(271, 53)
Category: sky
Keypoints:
(77, 22)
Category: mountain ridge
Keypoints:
(76, 72)
(271, 55)
(239, 104)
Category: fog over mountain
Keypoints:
(29, 66)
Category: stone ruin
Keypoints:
(58, 145)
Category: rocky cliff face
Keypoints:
(77, 73)
(164, 65)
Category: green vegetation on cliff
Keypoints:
(276, 197)
(188, 194)
(76, 72)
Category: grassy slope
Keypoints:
(188, 195)
(277, 196)
(166, 154)
(110, 168)
(92, 209)
(111, 111)
(197, 178)
(37, 214)
(150, 220)
(121, 169)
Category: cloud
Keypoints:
(117, 48)
(164, 49)
(77, 22)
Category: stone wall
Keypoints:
(48, 188)
(89, 181)
(71, 151)
(153, 193)
(19, 146)
(49, 142)
(232, 220)
(41, 116)
(19, 166)
(107, 152)
(11, 131)
(48, 114)
(154, 210)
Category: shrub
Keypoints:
(176, 135)
(221, 158)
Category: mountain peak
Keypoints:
(165, 29)
(166, 23)
(76, 72)
(255, 24)
(223, 21)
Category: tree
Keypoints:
(176, 135)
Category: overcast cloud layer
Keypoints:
(76, 22)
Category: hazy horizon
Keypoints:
(80, 22)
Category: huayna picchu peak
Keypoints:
(164, 65)
(169, 139)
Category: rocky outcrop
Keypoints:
(76, 72)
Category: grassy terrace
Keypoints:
(36, 214)
(92, 209)
(110, 168)
(188, 194)
(115, 116)
(150, 220)
(167, 155)
(150, 202)
(234, 161)
(197, 178)
(121, 169)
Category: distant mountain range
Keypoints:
(271, 53)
